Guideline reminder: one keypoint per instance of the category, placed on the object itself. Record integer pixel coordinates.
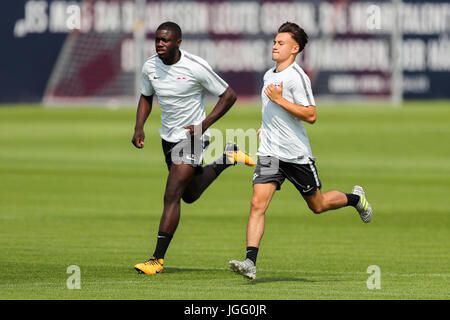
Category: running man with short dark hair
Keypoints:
(180, 80)
(284, 151)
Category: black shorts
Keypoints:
(303, 176)
(189, 151)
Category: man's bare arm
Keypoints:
(226, 101)
(143, 111)
(304, 113)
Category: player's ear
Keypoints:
(296, 49)
(178, 42)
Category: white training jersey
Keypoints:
(282, 135)
(180, 89)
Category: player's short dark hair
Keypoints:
(171, 26)
(297, 33)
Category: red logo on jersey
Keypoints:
(181, 78)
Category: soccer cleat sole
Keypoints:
(236, 268)
(139, 271)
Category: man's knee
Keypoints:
(172, 194)
(316, 203)
(176, 183)
(257, 206)
(316, 208)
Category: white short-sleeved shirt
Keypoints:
(180, 89)
(282, 135)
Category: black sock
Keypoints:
(252, 253)
(221, 164)
(352, 199)
(162, 244)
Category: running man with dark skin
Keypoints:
(179, 80)
(284, 151)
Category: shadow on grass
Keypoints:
(287, 279)
(248, 282)
(279, 279)
(185, 269)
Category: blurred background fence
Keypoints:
(91, 51)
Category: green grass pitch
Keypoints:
(74, 191)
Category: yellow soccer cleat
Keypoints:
(152, 266)
(236, 156)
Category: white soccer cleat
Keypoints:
(363, 207)
(246, 268)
